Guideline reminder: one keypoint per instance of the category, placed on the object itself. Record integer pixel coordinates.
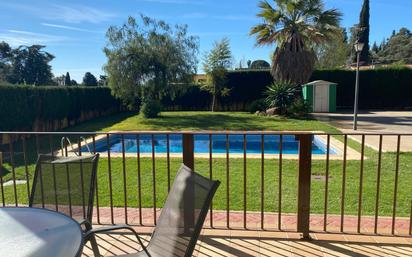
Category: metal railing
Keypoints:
(18, 152)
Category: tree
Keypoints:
(216, 63)
(102, 81)
(89, 80)
(5, 61)
(333, 54)
(398, 48)
(375, 47)
(364, 30)
(260, 64)
(295, 27)
(73, 82)
(30, 65)
(67, 80)
(149, 59)
(249, 64)
(59, 81)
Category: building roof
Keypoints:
(320, 83)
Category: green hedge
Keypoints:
(20, 106)
(380, 88)
(193, 99)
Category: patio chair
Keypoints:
(181, 219)
(67, 185)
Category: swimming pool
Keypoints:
(253, 144)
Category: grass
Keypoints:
(271, 182)
(242, 121)
(201, 121)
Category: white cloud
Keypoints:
(67, 13)
(58, 26)
(77, 14)
(19, 37)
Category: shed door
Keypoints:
(321, 98)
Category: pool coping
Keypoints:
(351, 154)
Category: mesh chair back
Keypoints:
(183, 215)
(65, 184)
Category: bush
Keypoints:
(151, 109)
(280, 95)
(298, 109)
(258, 105)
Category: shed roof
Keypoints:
(320, 83)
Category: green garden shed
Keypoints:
(321, 95)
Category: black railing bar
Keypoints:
(168, 161)
(97, 185)
(26, 169)
(1, 180)
(154, 180)
(378, 184)
(211, 176)
(262, 184)
(244, 181)
(325, 216)
(68, 183)
(79, 145)
(139, 180)
(124, 179)
(54, 174)
(395, 190)
(13, 172)
(361, 174)
(280, 182)
(343, 195)
(227, 182)
(109, 168)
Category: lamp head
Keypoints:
(359, 46)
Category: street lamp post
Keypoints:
(358, 48)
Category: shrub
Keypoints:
(298, 109)
(280, 95)
(258, 105)
(151, 109)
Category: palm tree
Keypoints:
(295, 26)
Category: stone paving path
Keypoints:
(375, 122)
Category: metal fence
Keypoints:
(337, 152)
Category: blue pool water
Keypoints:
(253, 144)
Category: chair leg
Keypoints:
(95, 246)
(92, 240)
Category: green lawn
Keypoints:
(242, 121)
(201, 121)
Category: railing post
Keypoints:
(188, 151)
(304, 181)
(189, 204)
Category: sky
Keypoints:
(74, 31)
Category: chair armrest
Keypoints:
(105, 230)
(86, 224)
